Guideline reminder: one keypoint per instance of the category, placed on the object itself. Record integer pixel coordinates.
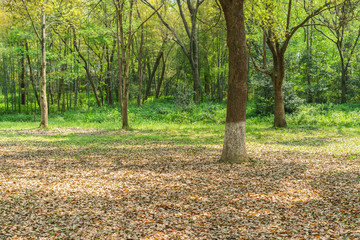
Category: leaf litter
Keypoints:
(51, 188)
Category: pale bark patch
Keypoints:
(234, 149)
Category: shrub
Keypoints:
(264, 100)
(184, 99)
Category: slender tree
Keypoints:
(342, 32)
(191, 52)
(278, 42)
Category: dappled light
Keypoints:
(132, 186)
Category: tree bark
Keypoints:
(5, 87)
(22, 82)
(344, 71)
(161, 77)
(140, 56)
(157, 62)
(277, 78)
(234, 149)
(207, 77)
(43, 100)
(309, 46)
(279, 109)
(31, 74)
(119, 7)
(344, 77)
(125, 52)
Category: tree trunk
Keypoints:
(31, 74)
(63, 98)
(279, 108)
(22, 82)
(309, 41)
(43, 100)
(207, 76)
(234, 149)
(161, 77)
(140, 66)
(5, 87)
(60, 88)
(76, 92)
(126, 52)
(343, 85)
(195, 64)
(109, 90)
(86, 66)
(119, 49)
(277, 78)
(157, 62)
(196, 77)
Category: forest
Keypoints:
(179, 119)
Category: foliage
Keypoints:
(183, 99)
(264, 100)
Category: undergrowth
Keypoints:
(163, 111)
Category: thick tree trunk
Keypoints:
(277, 78)
(279, 108)
(43, 100)
(234, 149)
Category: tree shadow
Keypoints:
(124, 190)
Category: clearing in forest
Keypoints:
(167, 184)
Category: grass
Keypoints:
(161, 120)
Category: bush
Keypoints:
(184, 99)
(264, 99)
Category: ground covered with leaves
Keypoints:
(67, 183)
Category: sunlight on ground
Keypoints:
(71, 183)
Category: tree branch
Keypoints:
(183, 17)
(288, 18)
(31, 20)
(294, 29)
(255, 64)
(177, 38)
(324, 34)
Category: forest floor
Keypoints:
(73, 183)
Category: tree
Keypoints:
(278, 32)
(192, 53)
(42, 39)
(124, 55)
(30, 8)
(344, 35)
(234, 149)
